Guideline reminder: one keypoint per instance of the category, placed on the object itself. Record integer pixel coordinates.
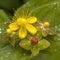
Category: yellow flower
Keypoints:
(8, 31)
(46, 24)
(24, 25)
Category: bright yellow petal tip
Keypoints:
(31, 29)
(32, 19)
(22, 32)
(13, 26)
(8, 31)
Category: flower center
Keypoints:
(21, 21)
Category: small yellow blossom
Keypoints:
(46, 24)
(24, 25)
(8, 31)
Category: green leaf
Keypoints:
(43, 44)
(35, 50)
(3, 16)
(3, 20)
(14, 53)
(33, 8)
(51, 32)
(44, 34)
(26, 44)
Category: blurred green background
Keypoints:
(11, 5)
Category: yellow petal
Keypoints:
(32, 20)
(21, 21)
(31, 29)
(13, 26)
(22, 32)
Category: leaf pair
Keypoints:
(41, 45)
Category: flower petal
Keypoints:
(31, 28)
(32, 20)
(13, 26)
(22, 32)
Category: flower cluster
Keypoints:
(31, 37)
(23, 25)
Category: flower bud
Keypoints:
(46, 24)
(8, 31)
(34, 40)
